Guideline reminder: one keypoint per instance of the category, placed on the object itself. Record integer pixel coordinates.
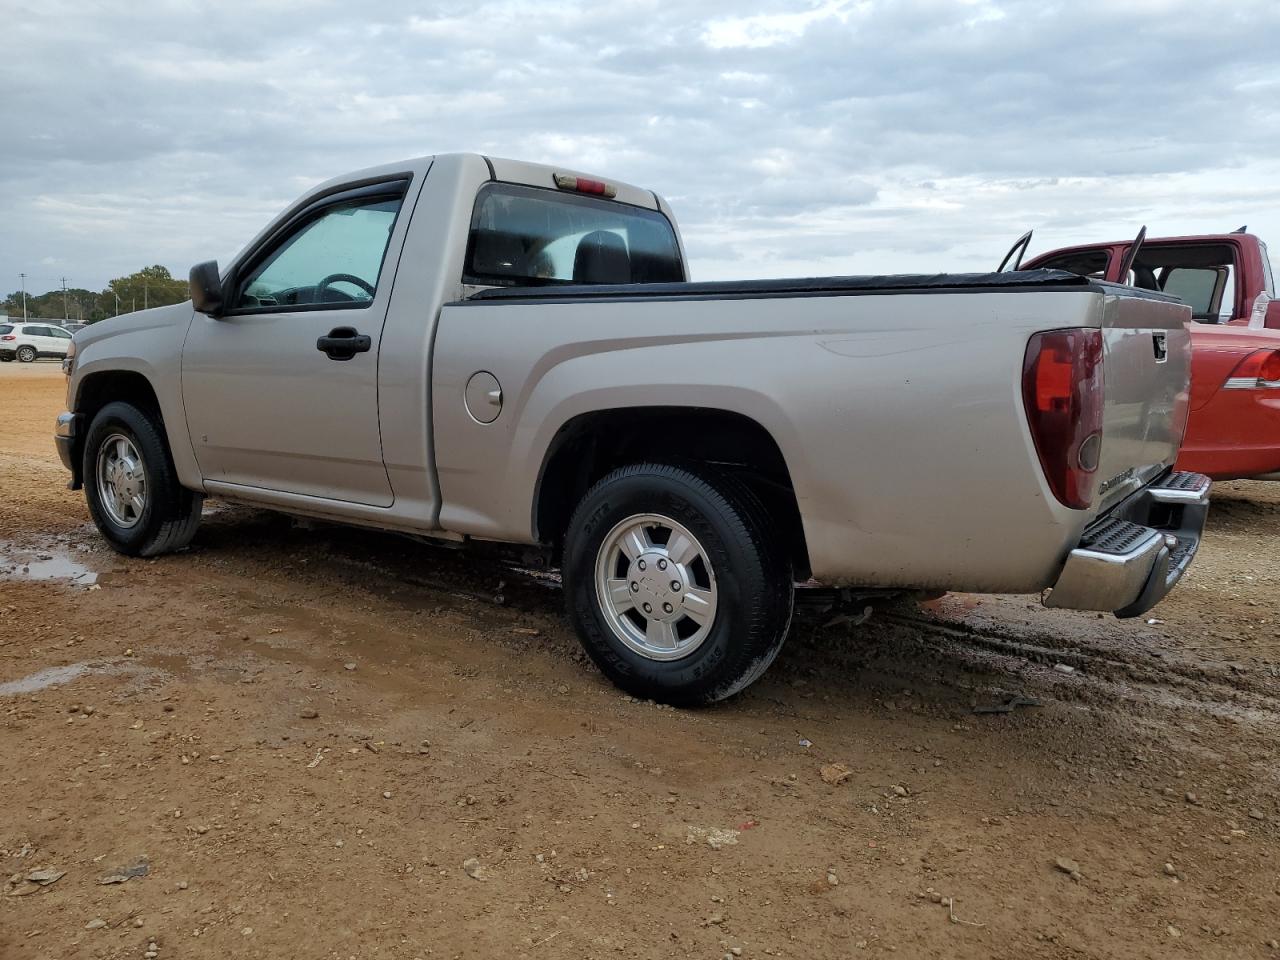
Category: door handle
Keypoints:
(343, 343)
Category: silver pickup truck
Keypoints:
(476, 349)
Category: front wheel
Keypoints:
(131, 484)
(675, 583)
(26, 354)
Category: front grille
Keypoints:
(1115, 536)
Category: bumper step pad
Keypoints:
(1128, 560)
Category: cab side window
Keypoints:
(331, 258)
(1196, 286)
(1201, 275)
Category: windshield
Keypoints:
(526, 235)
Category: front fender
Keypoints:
(147, 344)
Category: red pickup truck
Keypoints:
(1233, 430)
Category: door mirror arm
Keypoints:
(206, 288)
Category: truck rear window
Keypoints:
(523, 236)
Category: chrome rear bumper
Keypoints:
(1129, 559)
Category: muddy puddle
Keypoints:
(49, 562)
(59, 676)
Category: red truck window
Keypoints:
(1086, 263)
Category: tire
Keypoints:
(8, 358)
(169, 513)
(26, 354)
(739, 556)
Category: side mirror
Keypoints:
(206, 288)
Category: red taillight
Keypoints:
(1260, 370)
(582, 185)
(1062, 393)
(8, 336)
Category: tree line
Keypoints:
(151, 286)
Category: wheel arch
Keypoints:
(590, 445)
(94, 391)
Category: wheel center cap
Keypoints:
(657, 586)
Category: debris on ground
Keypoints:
(713, 837)
(834, 773)
(45, 877)
(139, 868)
(1069, 867)
(1008, 704)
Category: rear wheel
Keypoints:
(7, 358)
(26, 354)
(132, 486)
(675, 583)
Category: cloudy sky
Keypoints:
(791, 138)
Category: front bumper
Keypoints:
(1130, 558)
(65, 436)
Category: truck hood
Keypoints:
(178, 313)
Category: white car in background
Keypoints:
(28, 341)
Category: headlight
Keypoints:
(69, 362)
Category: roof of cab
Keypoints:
(1235, 237)
(504, 170)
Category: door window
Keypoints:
(60, 333)
(1195, 286)
(332, 260)
(1202, 275)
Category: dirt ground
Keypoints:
(313, 742)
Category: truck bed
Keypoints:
(899, 414)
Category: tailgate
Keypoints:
(1147, 371)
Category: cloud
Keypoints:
(806, 137)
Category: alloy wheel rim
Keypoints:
(122, 480)
(656, 587)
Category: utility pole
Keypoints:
(24, 295)
(144, 293)
(65, 315)
(117, 296)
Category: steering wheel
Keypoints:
(323, 286)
